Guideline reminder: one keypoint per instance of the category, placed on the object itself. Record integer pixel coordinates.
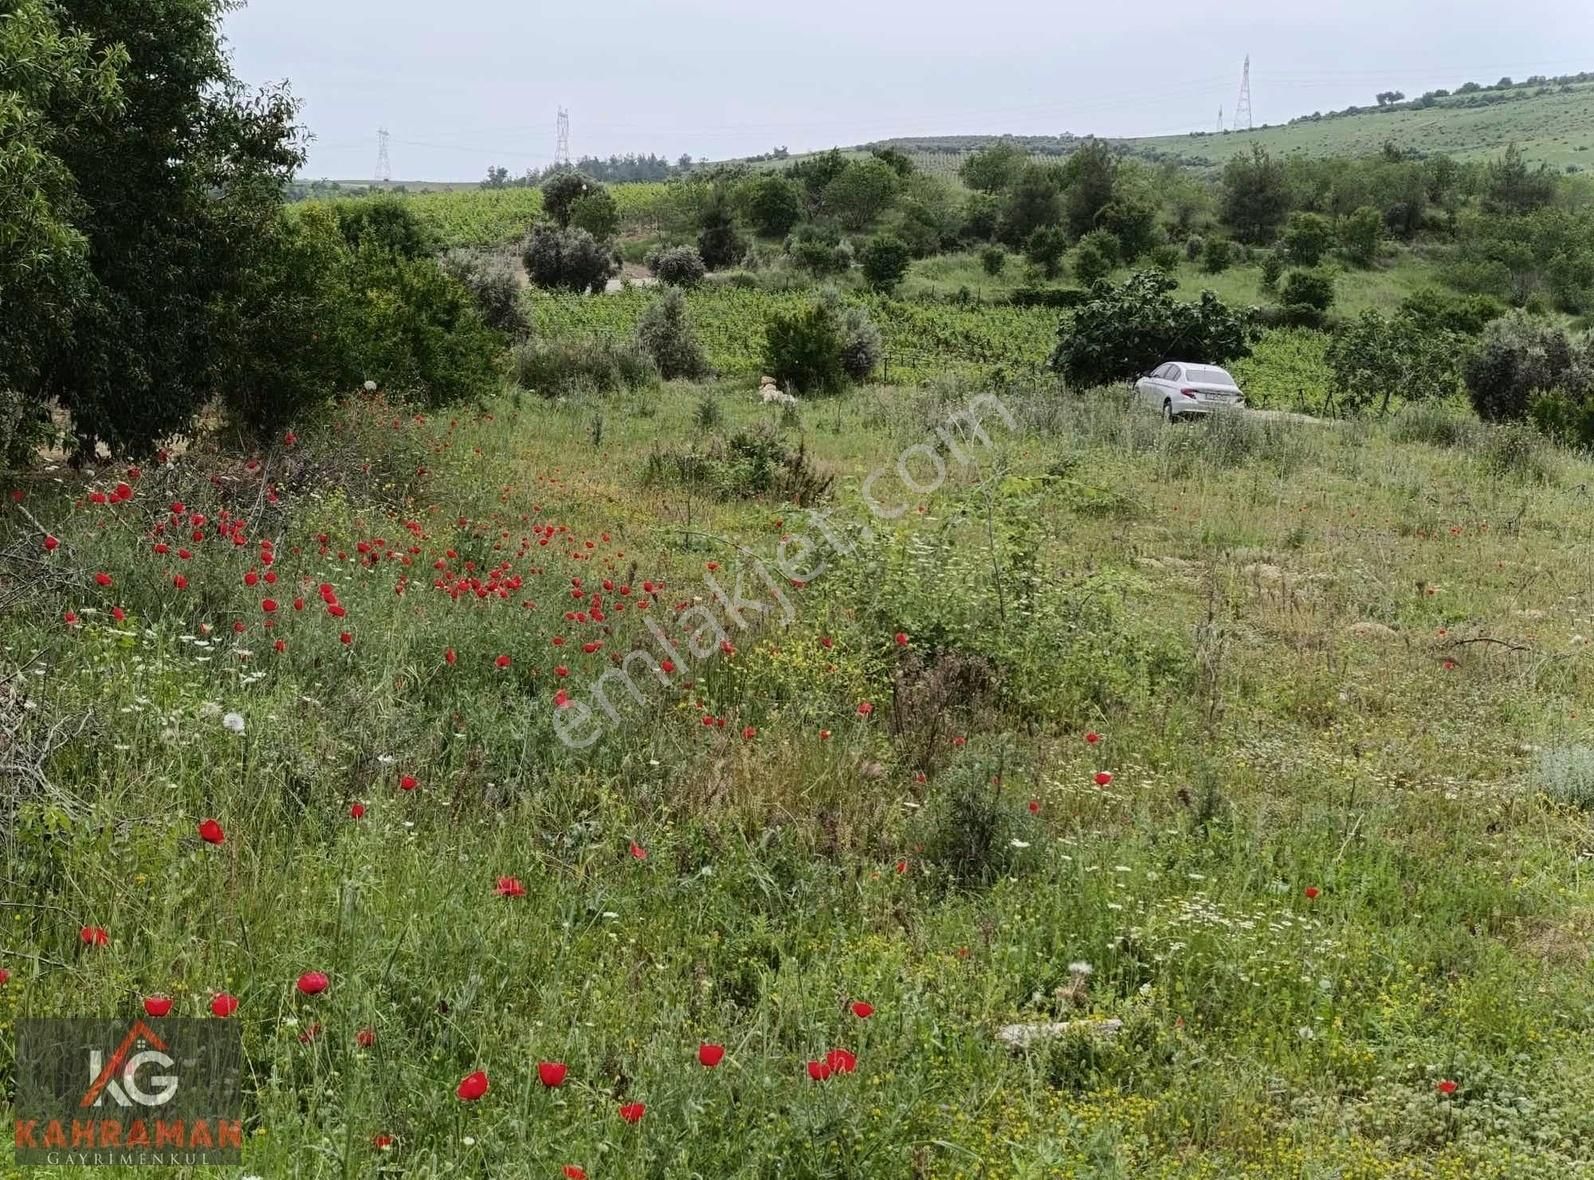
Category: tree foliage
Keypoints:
(1377, 358)
(884, 261)
(1127, 330)
(803, 349)
(1256, 196)
(567, 259)
(665, 334)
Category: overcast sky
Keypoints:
(469, 83)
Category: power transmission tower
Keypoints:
(561, 151)
(1220, 120)
(1242, 109)
(384, 163)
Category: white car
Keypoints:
(1179, 388)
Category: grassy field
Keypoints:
(1268, 741)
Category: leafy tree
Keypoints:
(862, 191)
(1376, 358)
(1133, 223)
(1091, 177)
(1307, 237)
(1045, 249)
(992, 260)
(52, 84)
(567, 259)
(1359, 235)
(1096, 257)
(774, 206)
(895, 159)
(679, 266)
(596, 212)
(1127, 330)
(1256, 195)
(994, 169)
(1434, 311)
(926, 216)
(802, 350)
(884, 261)
(718, 242)
(167, 178)
(1510, 186)
(1034, 200)
(982, 216)
(815, 174)
(1272, 269)
(665, 333)
(561, 191)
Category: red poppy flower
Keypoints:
(210, 832)
(472, 1086)
(51, 544)
(902, 867)
(502, 661)
(1034, 806)
(818, 1070)
(572, 1172)
(552, 1073)
(865, 708)
(357, 811)
(841, 1060)
(749, 733)
(1311, 892)
(103, 579)
(365, 1038)
(223, 1005)
(632, 1112)
(510, 887)
(157, 1005)
(709, 1055)
(313, 983)
(118, 614)
(638, 852)
(862, 1009)
(450, 658)
(70, 618)
(408, 782)
(269, 605)
(381, 1141)
(5, 977)
(1446, 1087)
(824, 735)
(1103, 777)
(345, 639)
(94, 936)
(902, 639)
(180, 582)
(1093, 737)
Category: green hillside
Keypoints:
(1551, 124)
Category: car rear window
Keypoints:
(1207, 375)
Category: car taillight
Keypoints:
(1187, 393)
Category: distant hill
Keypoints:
(1551, 123)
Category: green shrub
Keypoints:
(1566, 775)
(385, 223)
(803, 350)
(1438, 310)
(678, 266)
(1518, 357)
(861, 343)
(1045, 249)
(1307, 288)
(774, 205)
(1359, 235)
(1165, 257)
(1435, 424)
(1194, 246)
(561, 191)
(1272, 269)
(567, 260)
(819, 250)
(1516, 451)
(495, 286)
(884, 261)
(718, 242)
(1095, 257)
(1306, 238)
(751, 463)
(558, 368)
(596, 212)
(1217, 255)
(665, 334)
(1568, 420)
(992, 260)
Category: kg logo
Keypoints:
(129, 1077)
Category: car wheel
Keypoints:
(1167, 411)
